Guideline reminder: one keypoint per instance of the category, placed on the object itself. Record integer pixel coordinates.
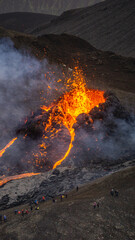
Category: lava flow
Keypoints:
(73, 103)
(4, 179)
(7, 146)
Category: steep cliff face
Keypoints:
(55, 7)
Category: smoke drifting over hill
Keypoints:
(21, 80)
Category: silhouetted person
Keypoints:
(116, 193)
(16, 211)
(94, 205)
(31, 208)
(53, 200)
(22, 212)
(98, 204)
(77, 188)
(112, 192)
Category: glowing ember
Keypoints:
(7, 146)
(79, 100)
(10, 178)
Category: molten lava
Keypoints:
(73, 103)
(20, 176)
(7, 146)
(76, 100)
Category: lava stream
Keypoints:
(7, 146)
(15, 177)
(68, 151)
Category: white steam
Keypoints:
(22, 80)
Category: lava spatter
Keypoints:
(76, 100)
(73, 103)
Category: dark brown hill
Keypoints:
(104, 70)
(22, 22)
(108, 26)
(54, 7)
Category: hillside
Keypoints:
(75, 216)
(54, 7)
(22, 22)
(107, 26)
(104, 70)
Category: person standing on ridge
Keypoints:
(43, 198)
(5, 218)
(94, 205)
(112, 192)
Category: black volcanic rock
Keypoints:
(50, 185)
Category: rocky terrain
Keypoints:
(75, 217)
(107, 26)
(23, 21)
(55, 7)
(53, 183)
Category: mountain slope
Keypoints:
(75, 216)
(23, 21)
(54, 7)
(104, 70)
(107, 26)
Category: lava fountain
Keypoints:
(73, 103)
(79, 99)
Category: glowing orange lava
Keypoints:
(15, 177)
(73, 103)
(77, 100)
(7, 146)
